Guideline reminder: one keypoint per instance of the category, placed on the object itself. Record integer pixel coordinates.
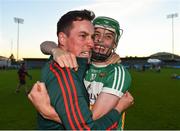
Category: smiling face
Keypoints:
(80, 39)
(104, 44)
(107, 34)
(104, 40)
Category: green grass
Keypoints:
(16, 112)
(156, 101)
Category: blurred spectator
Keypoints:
(22, 73)
(176, 76)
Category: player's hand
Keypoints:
(125, 102)
(115, 58)
(41, 101)
(64, 58)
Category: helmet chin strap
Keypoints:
(97, 56)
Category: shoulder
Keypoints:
(118, 69)
(54, 76)
(54, 68)
(118, 80)
(119, 73)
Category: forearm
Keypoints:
(107, 121)
(47, 47)
(41, 101)
(51, 114)
(104, 103)
(62, 57)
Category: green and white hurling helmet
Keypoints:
(111, 25)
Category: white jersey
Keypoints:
(113, 79)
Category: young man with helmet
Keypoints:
(106, 80)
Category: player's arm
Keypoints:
(41, 101)
(44, 106)
(67, 59)
(104, 103)
(27, 74)
(115, 58)
(110, 95)
(47, 48)
(76, 114)
(63, 58)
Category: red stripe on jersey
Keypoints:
(114, 126)
(76, 99)
(64, 96)
(70, 96)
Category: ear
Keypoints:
(62, 38)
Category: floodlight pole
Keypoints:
(172, 16)
(18, 21)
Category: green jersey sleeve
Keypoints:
(118, 80)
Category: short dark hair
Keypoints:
(65, 22)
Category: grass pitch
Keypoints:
(156, 101)
(16, 111)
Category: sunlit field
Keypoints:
(157, 98)
(156, 105)
(16, 112)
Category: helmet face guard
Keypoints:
(107, 24)
(99, 55)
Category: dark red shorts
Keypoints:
(23, 82)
